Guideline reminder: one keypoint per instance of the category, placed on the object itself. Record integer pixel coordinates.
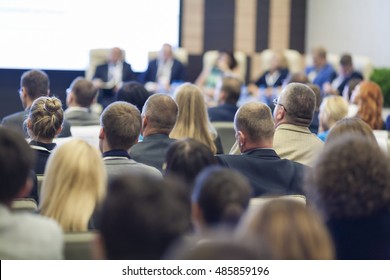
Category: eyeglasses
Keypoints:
(68, 90)
(276, 100)
(20, 91)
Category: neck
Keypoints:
(151, 131)
(263, 144)
(42, 140)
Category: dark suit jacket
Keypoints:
(177, 72)
(16, 122)
(81, 118)
(222, 113)
(262, 81)
(354, 75)
(267, 173)
(101, 72)
(151, 151)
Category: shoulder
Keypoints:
(14, 117)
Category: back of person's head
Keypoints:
(298, 78)
(317, 91)
(350, 179)
(255, 120)
(45, 118)
(142, 216)
(350, 87)
(332, 109)
(299, 103)
(16, 161)
(319, 52)
(121, 122)
(74, 184)
(369, 99)
(231, 87)
(346, 60)
(193, 120)
(221, 196)
(36, 83)
(291, 230)
(83, 91)
(231, 60)
(133, 93)
(186, 158)
(350, 125)
(161, 112)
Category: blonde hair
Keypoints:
(74, 184)
(46, 117)
(332, 109)
(193, 120)
(291, 230)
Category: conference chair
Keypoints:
(226, 133)
(256, 202)
(97, 57)
(180, 54)
(78, 245)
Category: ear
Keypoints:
(197, 216)
(29, 123)
(144, 122)
(98, 248)
(58, 131)
(26, 189)
(280, 114)
(241, 139)
(101, 133)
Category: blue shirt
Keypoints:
(323, 75)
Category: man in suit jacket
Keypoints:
(293, 114)
(109, 77)
(158, 118)
(266, 171)
(165, 69)
(120, 128)
(79, 98)
(33, 84)
(228, 96)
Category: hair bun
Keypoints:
(52, 105)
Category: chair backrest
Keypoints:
(209, 58)
(256, 202)
(88, 133)
(180, 54)
(226, 133)
(78, 245)
(24, 204)
(97, 57)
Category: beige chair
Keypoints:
(78, 245)
(226, 133)
(24, 204)
(88, 133)
(180, 54)
(261, 62)
(209, 58)
(257, 202)
(97, 57)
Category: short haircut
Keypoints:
(121, 122)
(317, 91)
(187, 158)
(46, 116)
(161, 111)
(255, 119)
(133, 93)
(346, 60)
(299, 101)
(16, 161)
(84, 91)
(319, 51)
(350, 179)
(222, 195)
(231, 86)
(36, 83)
(142, 216)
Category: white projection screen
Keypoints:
(58, 34)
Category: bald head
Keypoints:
(296, 105)
(255, 121)
(161, 112)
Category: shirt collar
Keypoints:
(116, 154)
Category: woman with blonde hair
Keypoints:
(332, 109)
(369, 100)
(291, 230)
(193, 120)
(74, 185)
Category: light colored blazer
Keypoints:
(119, 166)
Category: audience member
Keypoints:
(109, 76)
(290, 229)
(193, 120)
(347, 73)
(349, 88)
(120, 127)
(158, 118)
(142, 217)
(163, 71)
(33, 84)
(219, 198)
(80, 96)
(350, 186)
(258, 162)
(368, 97)
(186, 158)
(321, 72)
(74, 185)
(22, 235)
(133, 93)
(332, 109)
(315, 123)
(228, 96)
